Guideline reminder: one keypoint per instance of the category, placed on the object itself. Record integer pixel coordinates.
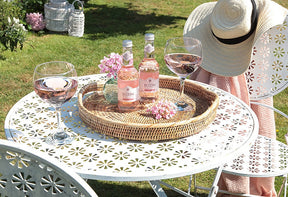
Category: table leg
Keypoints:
(161, 193)
(187, 194)
(157, 188)
(214, 188)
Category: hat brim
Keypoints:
(223, 59)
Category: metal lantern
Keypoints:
(76, 21)
(57, 14)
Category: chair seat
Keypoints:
(266, 158)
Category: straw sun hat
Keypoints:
(228, 29)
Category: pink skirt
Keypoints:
(238, 87)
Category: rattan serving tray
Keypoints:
(139, 125)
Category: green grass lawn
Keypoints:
(107, 23)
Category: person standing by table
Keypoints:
(228, 29)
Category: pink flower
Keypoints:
(163, 109)
(36, 21)
(111, 64)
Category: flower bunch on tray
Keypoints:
(163, 109)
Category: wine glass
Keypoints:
(183, 56)
(56, 83)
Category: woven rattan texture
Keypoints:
(142, 126)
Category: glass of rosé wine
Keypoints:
(183, 56)
(56, 83)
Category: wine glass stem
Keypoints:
(181, 100)
(59, 134)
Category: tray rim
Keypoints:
(213, 106)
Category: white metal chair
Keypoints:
(24, 172)
(267, 76)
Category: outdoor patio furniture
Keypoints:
(97, 156)
(266, 77)
(25, 172)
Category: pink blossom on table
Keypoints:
(111, 65)
(36, 21)
(163, 109)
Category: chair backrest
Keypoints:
(267, 74)
(25, 172)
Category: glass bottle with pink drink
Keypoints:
(149, 72)
(128, 81)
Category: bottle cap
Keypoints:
(127, 43)
(149, 36)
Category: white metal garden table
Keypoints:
(99, 157)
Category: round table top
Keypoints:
(96, 156)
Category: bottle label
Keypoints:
(148, 49)
(127, 56)
(149, 85)
(128, 94)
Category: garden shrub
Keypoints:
(31, 6)
(13, 34)
(12, 30)
(9, 9)
(36, 21)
